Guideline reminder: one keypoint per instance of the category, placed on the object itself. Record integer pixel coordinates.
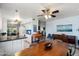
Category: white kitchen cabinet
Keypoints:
(2, 48)
(16, 46)
(25, 44)
(6, 47)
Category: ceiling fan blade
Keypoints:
(56, 11)
(39, 15)
(43, 11)
(53, 15)
(48, 10)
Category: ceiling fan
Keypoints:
(48, 13)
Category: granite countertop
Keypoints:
(13, 39)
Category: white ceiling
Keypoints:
(28, 10)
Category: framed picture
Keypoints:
(28, 32)
(64, 28)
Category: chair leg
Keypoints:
(67, 54)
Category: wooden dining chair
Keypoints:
(72, 45)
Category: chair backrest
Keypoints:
(66, 38)
(71, 39)
(49, 36)
(60, 37)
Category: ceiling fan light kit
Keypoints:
(47, 16)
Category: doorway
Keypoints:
(42, 27)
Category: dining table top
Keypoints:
(59, 48)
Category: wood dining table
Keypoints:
(59, 48)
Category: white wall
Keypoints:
(0, 22)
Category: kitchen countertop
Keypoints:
(13, 39)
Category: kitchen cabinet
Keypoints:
(6, 47)
(9, 48)
(16, 46)
(2, 48)
(25, 43)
